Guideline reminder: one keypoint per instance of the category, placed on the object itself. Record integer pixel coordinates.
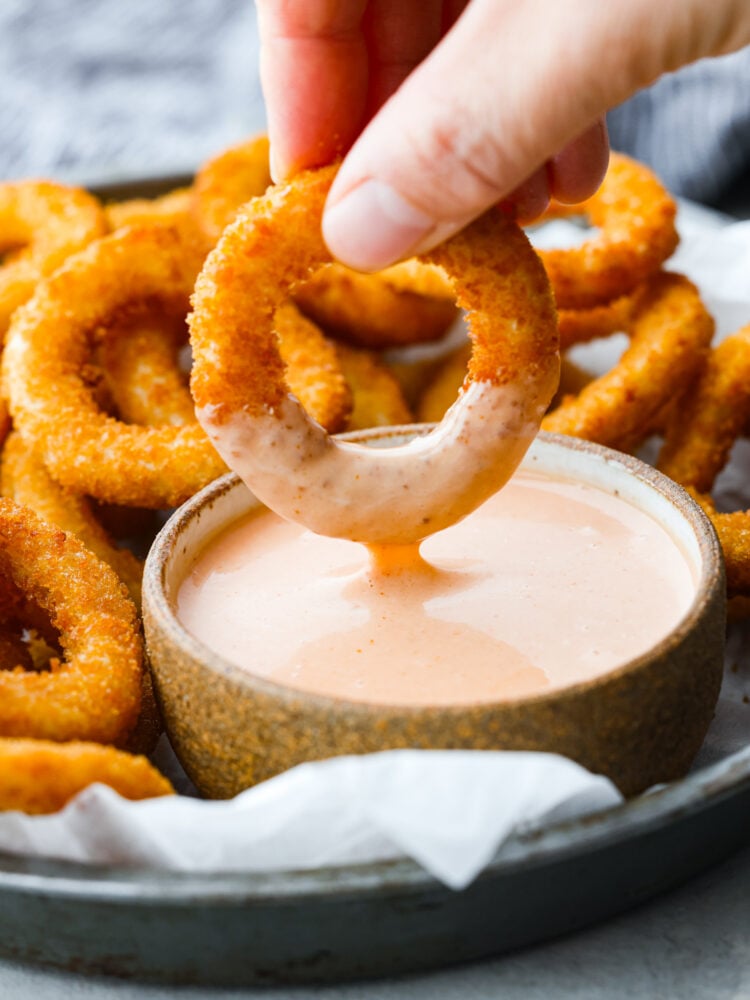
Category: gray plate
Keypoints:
(369, 920)
(366, 920)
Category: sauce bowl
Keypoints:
(639, 724)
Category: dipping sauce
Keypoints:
(548, 583)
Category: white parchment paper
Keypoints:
(448, 810)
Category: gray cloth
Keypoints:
(92, 87)
(693, 127)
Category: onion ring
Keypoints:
(227, 181)
(245, 405)
(700, 438)
(715, 413)
(51, 341)
(580, 326)
(635, 214)
(173, 209)
(361, 309)
(24, 478)
(148, 388)
(39, 776)
(42, 223)
(670, 335)
(378, 399)
(95, 693)
(140, 360)
(366, 311)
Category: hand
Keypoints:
(444, 107)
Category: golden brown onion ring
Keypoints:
(24, 478)
(699, 440)
(41, 225)
(635, 215)
(670, 334)
(227, 181)
(39, 776)
(244, 402)
(95, 692)
(51, 342)
(378, 399)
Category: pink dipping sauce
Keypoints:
(547, 584)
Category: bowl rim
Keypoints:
(711, 577)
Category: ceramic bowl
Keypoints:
(639, 724)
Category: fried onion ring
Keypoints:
(366, 311)
(361, 309)
(699, 440)
(39, 776)
(173, 209)
(245, 405)
(670, 334)
(41, 225)
(227, 181)
(378, 399)
(95, 692)
(140, 363)
(52, 340)
(24, 478)
(715, 413)
(635, 214)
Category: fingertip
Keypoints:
(531, 198)
(576, 172)
(371, 226)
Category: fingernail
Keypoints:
(373, 226)
(274, 165)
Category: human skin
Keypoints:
(442, 108)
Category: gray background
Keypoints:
(102, 88)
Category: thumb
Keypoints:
(508, 101)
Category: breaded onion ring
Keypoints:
(699, 440)
(635, 215)
(378, 399)
(366, 311)
(24, 478)
(38, 776)
(173, 209)
(42, 224)
(362, 309)
(313, 369)
(580, 326)
(95, 693)
(715, 413)
(227, 181)
(287, 460)
(139, 358)
(670, 334)
(51, 342)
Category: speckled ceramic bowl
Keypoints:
(640, 723)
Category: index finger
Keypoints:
(313, 65)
